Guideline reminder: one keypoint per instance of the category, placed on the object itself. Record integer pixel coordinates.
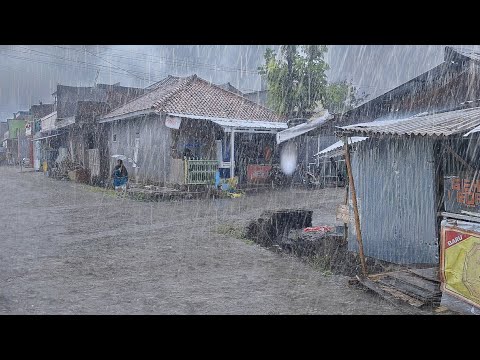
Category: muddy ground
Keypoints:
(68, 248)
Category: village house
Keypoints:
(32, 127)
(185, 129)
(14, 139)
(71, 131)
(3, 150)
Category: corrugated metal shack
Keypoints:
(453, 82)
(398, 173)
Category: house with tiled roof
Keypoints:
(73, 132)
(183, 122)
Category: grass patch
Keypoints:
(233, 231)
(321, 263)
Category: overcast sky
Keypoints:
(29, 74)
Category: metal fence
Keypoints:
(200, 172)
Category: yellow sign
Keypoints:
(460, 263)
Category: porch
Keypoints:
(204, 148)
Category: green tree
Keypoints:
(295, 78)
(297, 82)
(342, 96)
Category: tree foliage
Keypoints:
(342, 96)
(297, 82)
(295, 78)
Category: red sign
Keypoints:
(258, 173)
(454, 237)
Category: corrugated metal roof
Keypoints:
(332, 149)
(303, 128)
(470, 53)
(235, 123)
(440, 124)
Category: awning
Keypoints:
(337, 148)
(45, 137)
(48, 122)
(303, 128)
(239, 125)
(474, 130)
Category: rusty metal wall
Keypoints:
(395, 183)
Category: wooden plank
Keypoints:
(459, 217)
(431, 274)
(404, 297)
(375, 277)
(417, 281)
(369, 284)
(408, 289)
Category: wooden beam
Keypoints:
(232, 154)
(345, 225)
(458, 157)
(459, 217)
(369, 284)
(355, 207)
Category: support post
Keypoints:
(345, 225)
(355, 206)
(232, 154)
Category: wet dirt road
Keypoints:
(68, 248)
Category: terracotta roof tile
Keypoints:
(195, 96)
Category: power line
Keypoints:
(42, 61)
(114, 65)
(135, 73)
(170, 61)
(160, 62)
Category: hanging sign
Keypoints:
(173, 122)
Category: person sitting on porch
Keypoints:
(187, 153)
(120, 176)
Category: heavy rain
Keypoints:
(239, 179)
